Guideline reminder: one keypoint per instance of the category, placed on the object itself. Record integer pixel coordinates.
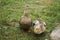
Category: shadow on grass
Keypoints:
(39, 36)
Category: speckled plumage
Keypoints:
(39, 26)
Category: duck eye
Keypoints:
(33, 24)
(45, 25)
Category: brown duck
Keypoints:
(25, 21)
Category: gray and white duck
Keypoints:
(39, 26)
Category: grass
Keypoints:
(13, 9)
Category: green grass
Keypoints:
(14, 9)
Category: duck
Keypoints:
(25, 21)
(39, 26)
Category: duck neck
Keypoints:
(26, 14)
(26, 10)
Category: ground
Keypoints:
(48, 10)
